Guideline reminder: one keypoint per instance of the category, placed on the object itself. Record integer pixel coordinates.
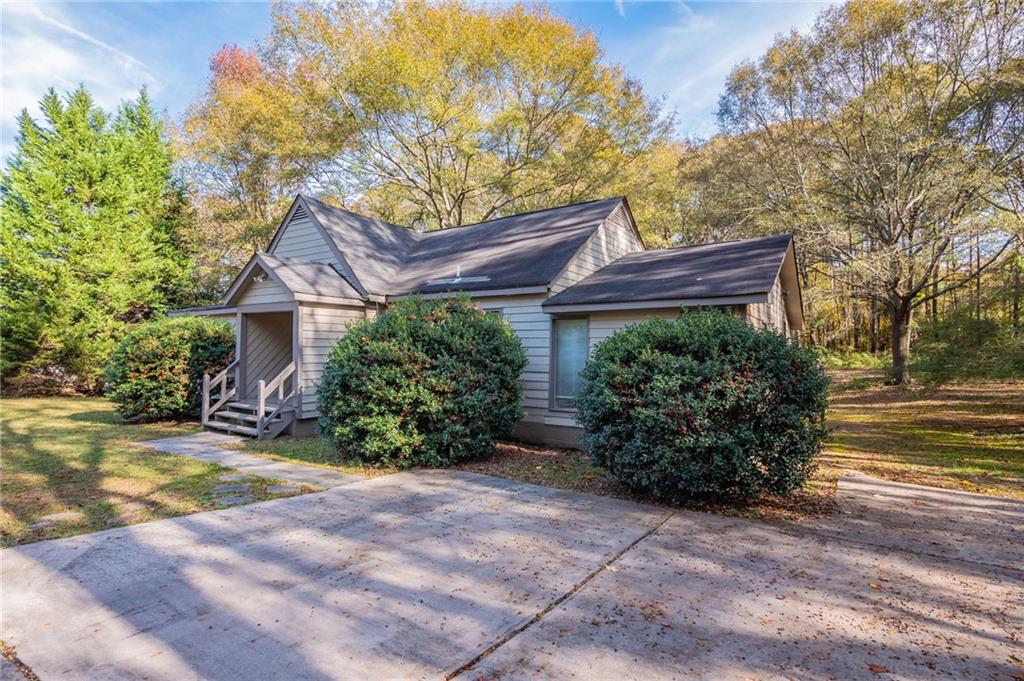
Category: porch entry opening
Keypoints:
(266, 350)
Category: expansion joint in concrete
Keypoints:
(523, 626)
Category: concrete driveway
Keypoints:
(431, 574)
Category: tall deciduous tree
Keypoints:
(891, 134)
(425, 114)
(87, 237)
(244, 150)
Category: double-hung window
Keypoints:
(571, 338)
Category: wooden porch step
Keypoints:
(252, 407)
(232, 428)
(241, 416)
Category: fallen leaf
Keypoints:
(766, 621)
(877, 669)
(877, 587)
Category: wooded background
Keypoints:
(889, 139)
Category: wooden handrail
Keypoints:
(276, 384)
(220, 382)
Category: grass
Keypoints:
(967, 436)
(313, 451)
(71, 454)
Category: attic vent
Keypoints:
(299, 214)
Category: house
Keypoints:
(564, 279)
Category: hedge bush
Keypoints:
(428, 383)
(703, 407)
(156, 371)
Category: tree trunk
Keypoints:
(901, 316)
(856, 327)
(874, 327)
(1016, 264)
(977, 276)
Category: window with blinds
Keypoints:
(571, 338)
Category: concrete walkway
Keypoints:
(212, 447)
(450, 574)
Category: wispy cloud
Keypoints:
(43, 48)
(620, 7)
(687, 60)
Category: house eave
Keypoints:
(482, 293)
(202, 311)
(746, 299)
(328, 300)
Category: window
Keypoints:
(571, 341)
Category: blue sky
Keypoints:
(679, 51)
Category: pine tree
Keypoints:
(85, 244)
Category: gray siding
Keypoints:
(302, 239)
(320, 327)
(263, 292)
(770, 314)
(612, 240)
(533, 326)
(268, 348)
(604, 324)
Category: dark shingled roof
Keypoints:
(518, 251)
(374, 249)
(309, 278)
(730, 268)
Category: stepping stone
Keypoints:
(55, 519)
(236, 500)
(231, 489)
(227, 477)
(284, 489)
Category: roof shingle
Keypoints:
(729, 268)
(304, 277)
(528, 249)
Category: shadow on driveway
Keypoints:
(414, 574)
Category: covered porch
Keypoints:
(287, 315)
(258, 394)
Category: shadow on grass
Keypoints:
(62, 455)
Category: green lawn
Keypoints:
(313, 451)
(966, 436)
(71, 454)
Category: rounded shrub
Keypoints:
(703, 406)
(428, 383)
(156, 371)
